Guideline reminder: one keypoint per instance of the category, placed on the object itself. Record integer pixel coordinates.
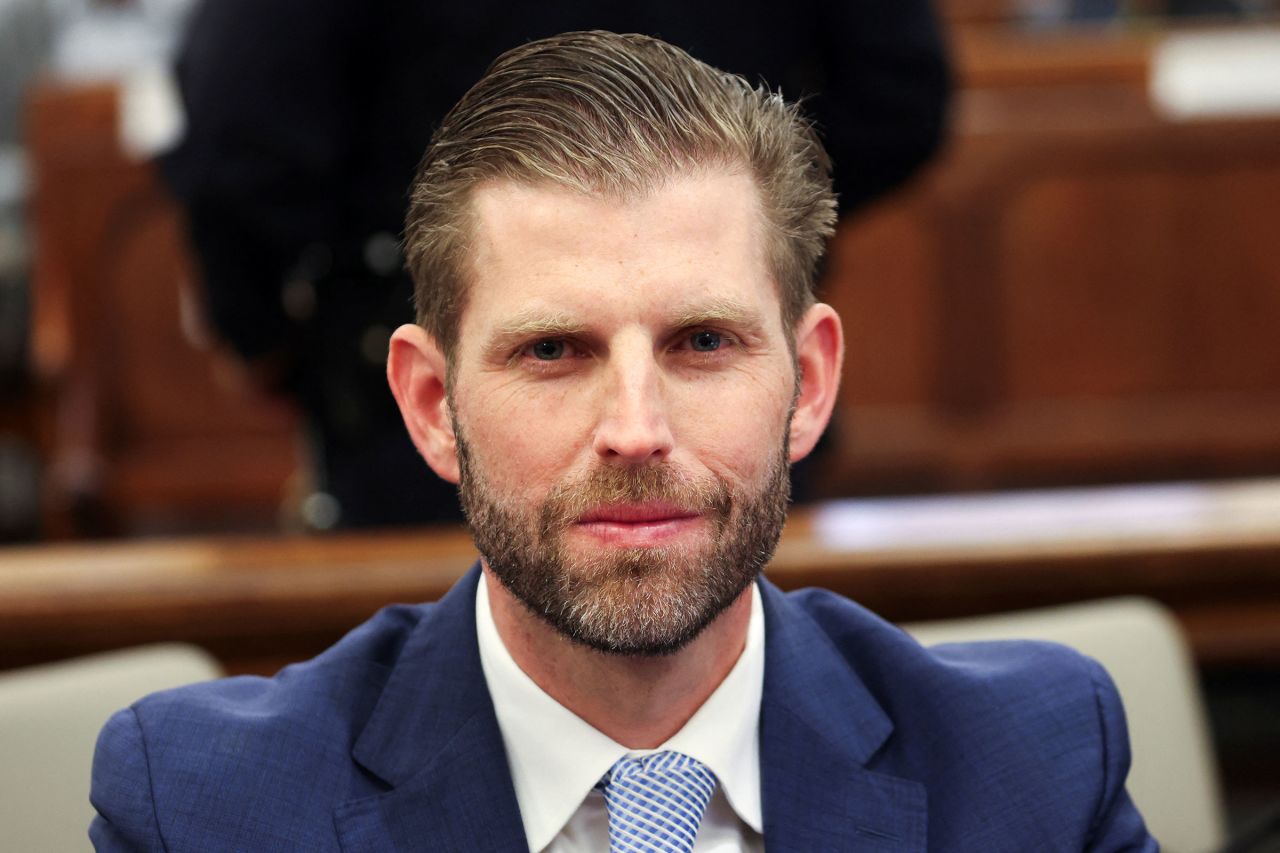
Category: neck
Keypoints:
(661, 693)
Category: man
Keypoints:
(618, 356)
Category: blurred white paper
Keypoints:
(1103, 514)
(151, 116)
(1217, 74)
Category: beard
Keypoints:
(639, 601)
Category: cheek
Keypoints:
(737, 438)
(743, 456)
(521, 440)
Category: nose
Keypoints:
(633, 427)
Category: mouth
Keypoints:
(639, 524)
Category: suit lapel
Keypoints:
(819, 728)
(434, 740)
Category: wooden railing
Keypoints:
(258, 603)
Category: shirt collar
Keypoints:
(556, 757)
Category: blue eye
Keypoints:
(549, 350)
(705, 341)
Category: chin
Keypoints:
(638, 602)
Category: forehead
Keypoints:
(696, 238)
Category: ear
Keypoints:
(819, 356)
(416, 373)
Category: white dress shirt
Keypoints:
(557, 757)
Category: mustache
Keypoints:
(604, 485)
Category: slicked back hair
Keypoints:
(613, 115)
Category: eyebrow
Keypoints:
(522, 327)
(719, 312)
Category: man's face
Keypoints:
(621, 394)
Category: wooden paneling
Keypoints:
(144, 437)
(1078, 290)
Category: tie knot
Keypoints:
(656, 802)
(659, 764)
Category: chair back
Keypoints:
(50, 716)
(1174, 779)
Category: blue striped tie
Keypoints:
(656, 802)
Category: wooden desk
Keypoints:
(258, 603)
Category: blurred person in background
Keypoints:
(306, 121)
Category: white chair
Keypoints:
(50, 716)
(1174, 779)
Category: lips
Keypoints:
(638, 525)
(652, 512)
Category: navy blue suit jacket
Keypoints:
(388, 741)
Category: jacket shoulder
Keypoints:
(279, 745)
(1003, 732)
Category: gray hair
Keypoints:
(616, 115)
